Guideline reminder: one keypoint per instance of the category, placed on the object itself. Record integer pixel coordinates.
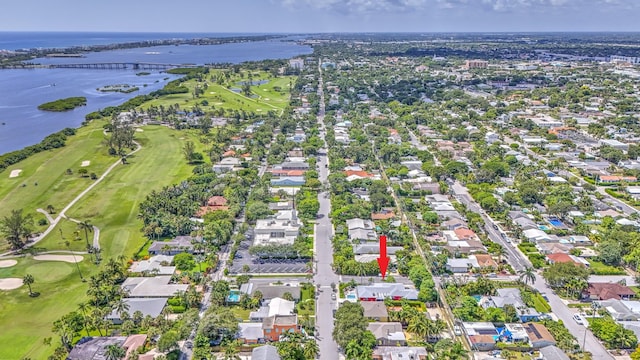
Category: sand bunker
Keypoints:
(139, 130)
(212, 92)
(15, 173)
(7, 263)
(65, 258)
(85, 163)
(10, 283)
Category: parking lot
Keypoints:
(265, 266)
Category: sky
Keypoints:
(304, 16)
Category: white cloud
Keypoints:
(382, 6)
(358, 6)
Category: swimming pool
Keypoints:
(234, 296)
(351, 297)
(543, 227)
(555, 222)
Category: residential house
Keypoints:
(551, 248)
(453, 224)
(483, 342)
(95, 348)
(388, 333)
(277, 325)
(250, 333)
(214, 203)
(384, 214)
(271, 291)
(362, 229)
(152, 287)
(157, 265)
(288, 181)
(513, 333)
(399, 353)
(539, 336)
(621, 310)
(375, 310)
(381, 291)
(552, 353)
(484, 261)
(178, 245)
(282, 228)
(580, 240)
(536, 235)
(265, 352)
(226, 165)
(275, 306)
(429, 187)
(607, 291)
(512, 297)
(566, 258)
(147, 306)
(281, 205)
(461, 266)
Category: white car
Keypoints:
(457, 330)
(579, 319)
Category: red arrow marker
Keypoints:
(383, 260)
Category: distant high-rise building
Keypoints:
(626, 59)
(296, 63)
(477, 64)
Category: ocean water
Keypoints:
(21, 91)
(46, 40)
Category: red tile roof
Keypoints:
(360, 173)
(463, 233)
(562, 258)
(606, 291)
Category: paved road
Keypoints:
(518, 261)
(621, 205)
(324, 274)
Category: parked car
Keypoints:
(457, 330)
(333, 296)
(579, 319)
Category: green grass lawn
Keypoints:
(599, 268)
(241, 313)
(272, 96)
(48, 170)
(112, 206)
(26, 320)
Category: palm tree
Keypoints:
(231, 350)
(500, 251)
(120, 307)
(83, 306)
(311, 349)
(87, 228)
(361, 270)
(528, 275)
(419, 325)
(28, 280)
(114, 352)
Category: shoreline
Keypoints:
(18, 57)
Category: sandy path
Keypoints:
(10, 283)
(65, 258)
(15, 173)
(7, 263)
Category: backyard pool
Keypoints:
(234, 296)
(351, 296)
(555, 222)
(543, 227)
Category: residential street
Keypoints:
(519, 262)
(324, 275)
